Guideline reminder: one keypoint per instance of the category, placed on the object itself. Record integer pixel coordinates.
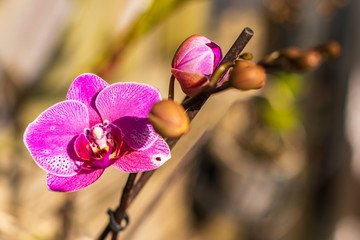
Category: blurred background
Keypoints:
(279, 163)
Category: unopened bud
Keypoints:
(330, 49)
(169, 119)
(194, 63)
(309, 60)
(291, 52)
(247, 77)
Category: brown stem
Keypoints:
(120, 211)
(179, 171)
(171, 87)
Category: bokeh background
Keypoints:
(279, 163)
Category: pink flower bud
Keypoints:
(194, 62)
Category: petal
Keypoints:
(188, 45)
(69, 184)
(217, 53)
(85, 89)
(190, 82)
(149, 159)
(82, 147)
(50, 138)
(199, 60)
(104, 161)
(126, 104)
(138, 132)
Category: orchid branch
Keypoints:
(192, 105)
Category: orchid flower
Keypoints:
(97, 126)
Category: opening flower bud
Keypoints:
(169, 119)
(194, 62)
(247, 76)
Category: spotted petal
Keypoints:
(69, 184)
(127, 105)
(50, 138)
(138, 161)
(85, 89)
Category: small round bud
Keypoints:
(309, 60)
(169, 119)
(247, 78)
(330, 49)
(291, 52)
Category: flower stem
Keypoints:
(219, 73)
(193, 105)
(120, 211)
(171, 87)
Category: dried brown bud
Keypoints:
(309, 60)
(169, 119)
(245, 76)
(330, 49)
(291, 52)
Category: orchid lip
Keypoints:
(100, 145)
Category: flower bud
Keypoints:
(330, 49)
(247, 76)
(169, 119)
(291, 52)
(309, 60)
(194, 62)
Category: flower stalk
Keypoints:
(192, 105)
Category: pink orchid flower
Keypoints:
(98, 125)
(194, 62)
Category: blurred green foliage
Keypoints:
(280, 109)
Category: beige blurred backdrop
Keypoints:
(249, 179)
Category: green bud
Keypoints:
(246, 56)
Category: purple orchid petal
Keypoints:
(85, 89)
(188, 45)
(69, 184)
(138, 132)
(149, 159)
(104, 161)
(82, 147)
(117, 141)
(190, 82)
(199, 60)
(217, 53)
(50, 138)
(125, 105)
